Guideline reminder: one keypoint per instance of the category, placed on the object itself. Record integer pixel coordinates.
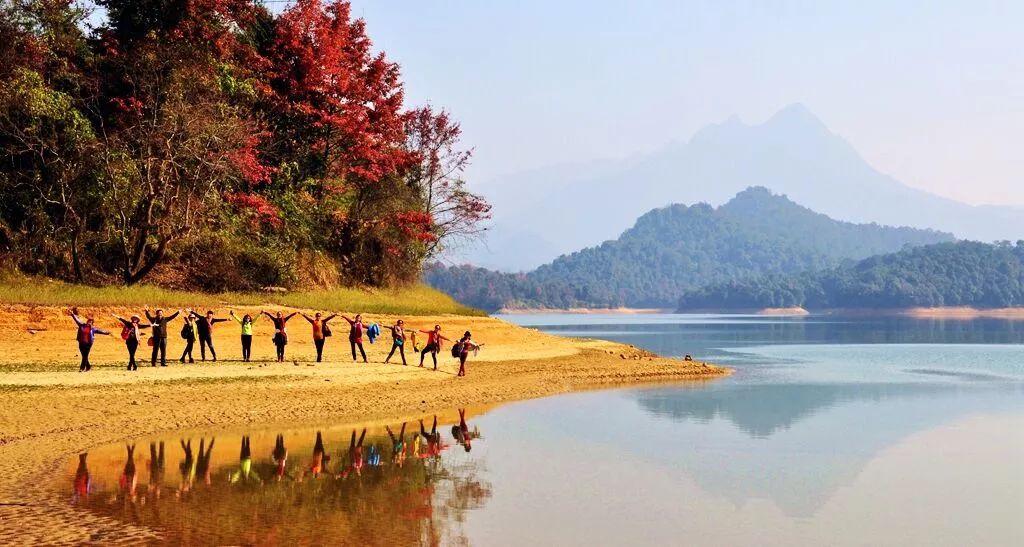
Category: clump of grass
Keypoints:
(412, 300)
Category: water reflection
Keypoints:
(375, 487)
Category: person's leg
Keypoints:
(462, 363)
(423, 354)
(202, 348)
(361, 352)
(132, 345)
(84, 353)
(353, 344)
(163, 352)
(213, 352)
(319, 349)
(390, 353)
(184, 352)
(433, 355)
(156, 348)
(401, 351)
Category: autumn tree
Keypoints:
(453, 211)
(176, 137)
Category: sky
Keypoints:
(931, 93)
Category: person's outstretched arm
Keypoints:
(235, 317)
(149, 317)
(267, 314)
(123, 321)
(74, 317)
(289, 316)
(219, 320)
(329, 317)
(307, 318)
(172, 316)
(100, 331)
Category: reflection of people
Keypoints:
(355, 455)
(129, 478)
(319, 456)
(462, 434)
(397, 445)
(244, 472)
(187, 467)
(280, 457)
(83, 483)
(434, 446)
(156, 467)
(203, 460)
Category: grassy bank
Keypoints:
(412, 300)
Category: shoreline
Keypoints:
(583, 311)
(54, 412)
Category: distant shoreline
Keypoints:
(940, 312)
(583, 311)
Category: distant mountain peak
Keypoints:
(796, 115)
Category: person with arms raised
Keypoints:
(321, 330)
(205, 326)
(159, 324)
(87, 331)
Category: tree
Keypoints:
(175, 138)
(454, 212)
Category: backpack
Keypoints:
(186, 331)
(457, 349)
(126, 333)
(326, 330)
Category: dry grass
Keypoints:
(413, 300)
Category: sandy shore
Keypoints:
(52, 412)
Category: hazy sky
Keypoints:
(929, 92)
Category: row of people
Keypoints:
(200, 328)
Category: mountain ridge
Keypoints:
(793, 153)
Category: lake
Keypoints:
(860, 431)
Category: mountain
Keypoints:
(964, 273)
(676, 248)
(794, 153)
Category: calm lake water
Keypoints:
(831, 431)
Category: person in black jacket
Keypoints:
(159, 322)
(131, 335)
(189, 333)
(205, 326)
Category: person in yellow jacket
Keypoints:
(246, 322)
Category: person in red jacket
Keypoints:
(130, 332)
(433, 346)
(87, 331)
(355, 336)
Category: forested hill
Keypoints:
(676, 248)
(964, 273)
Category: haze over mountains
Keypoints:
(547, 212)
(677, 248)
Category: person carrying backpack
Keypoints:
(87, 331)
(189, 332)
(321, 330)
(461, 349)
(131, 335)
